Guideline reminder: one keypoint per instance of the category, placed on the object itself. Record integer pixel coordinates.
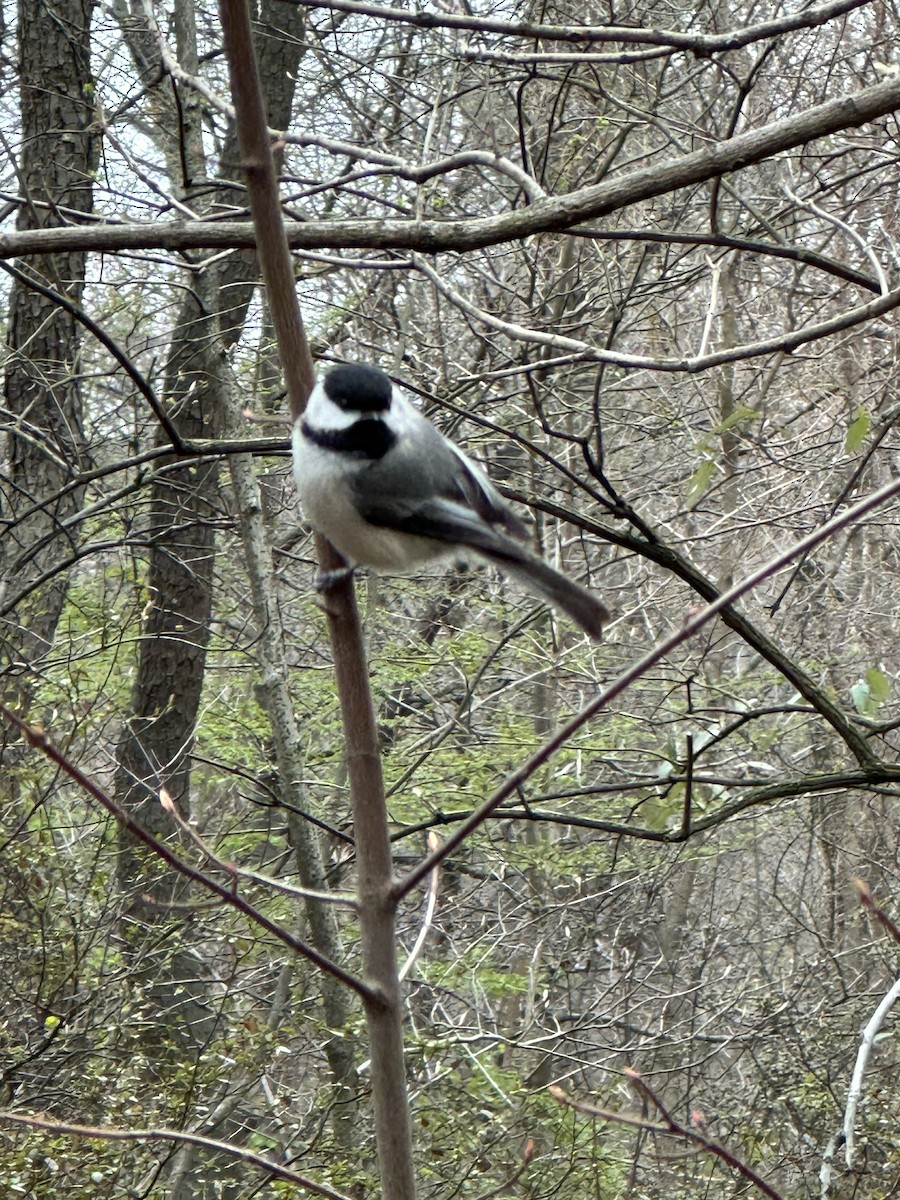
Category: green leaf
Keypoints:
(879, 685)
(870, 693)
(700, 480)
(742, 414)
(662, 813)
(857, 430)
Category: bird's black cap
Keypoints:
(357, 388)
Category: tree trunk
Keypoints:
(155, 745)
(154, 750)
(44, 442)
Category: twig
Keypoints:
(502, 1188)
(867, 900)
(39, 740)
(697, 1135)
(669, 1127)
(854, 236)
(430, 906)
(862, 1057)
(232, 869)
(110, 1134)
(784, 342)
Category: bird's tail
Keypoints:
(581, 605)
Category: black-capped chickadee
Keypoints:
(390, 492)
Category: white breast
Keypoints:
(323, 480)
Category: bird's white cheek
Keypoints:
(321, 481)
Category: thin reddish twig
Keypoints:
(669, 1126)
(39, 740)
(867, 900)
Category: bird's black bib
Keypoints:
(368, 438)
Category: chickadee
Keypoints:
(390, 492)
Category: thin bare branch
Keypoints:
(699, 43)
(854, 1094)
(108, 1133)
(430, 907)
(695, 1133)
(867, 900)
(39, 740)
(548, 215)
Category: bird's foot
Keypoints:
(326, 580)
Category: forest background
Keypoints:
(643, 262)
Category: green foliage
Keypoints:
(37, 1165)
(700, 480)
(870, 692)
(473, 973)
(710, 450)
(571, 1156)
(741, 415)
(857, 430)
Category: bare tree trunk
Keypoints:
(44, 445)
(155, 745)
(154, 750)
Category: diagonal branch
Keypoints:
(111, 1134)
(38, 739)
(668, 1126)
(639, 669)
(670, 559)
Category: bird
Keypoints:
(391, 493)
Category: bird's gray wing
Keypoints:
(472, 488)
(426, 486)
(447, 521)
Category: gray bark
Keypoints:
(44, 448)
(154, 750)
